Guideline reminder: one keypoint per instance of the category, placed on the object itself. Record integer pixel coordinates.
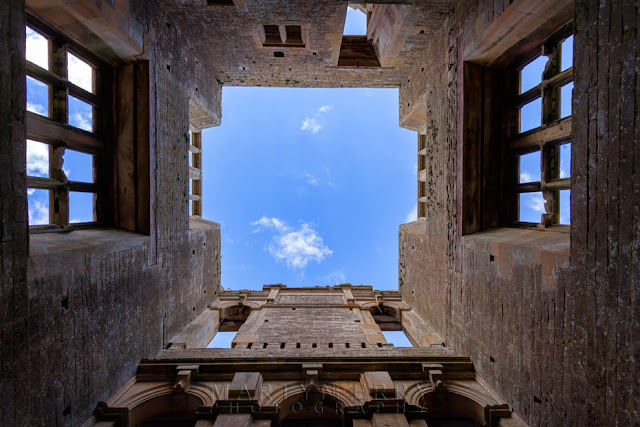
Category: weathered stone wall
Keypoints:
(556, 338)
(82, 309)
(14, 305)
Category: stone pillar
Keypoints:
(370, 328)
(233, 420)
(389, 420)
(200, 332)
(248, 333)
(419, 332)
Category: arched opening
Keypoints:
(387, 318)
(175, 410)
(311, 409)
(233, 318)
(452, 410)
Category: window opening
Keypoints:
(542, 145)
(355, 23)
(195, 173)
(397, 338)
(222, 340)
(281, 35)
(63, 102)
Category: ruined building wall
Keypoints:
(555, 336)
(84, 308)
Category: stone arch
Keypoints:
(464, 399)
(176, 407)
(140, 392)
(285, 392)
(234, 314)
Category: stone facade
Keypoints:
(307, 354)
(101, 321)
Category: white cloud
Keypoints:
(413, 215)
(80, 73)
(38, 212)
(270, 223)
(311, 179)
(296, 247)
(312, 124)
(536, 203)
(37, 159)
(81, 120)
(525, 177)
(334, 278)
(37, 49)
(37, 108)
(563, 173)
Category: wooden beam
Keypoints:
(194, 149)
(556, 132)
(53, 79)
(125, 161)
(522, 26)
(558, 184)
(44, 129)
(194, 197)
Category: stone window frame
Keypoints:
(195, 171)
(55, 131)
(546, 139)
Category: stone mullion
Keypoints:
(550, 155)
(58, 111)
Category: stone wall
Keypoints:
(81, 309)
(555, 336)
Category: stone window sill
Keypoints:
(508, 247)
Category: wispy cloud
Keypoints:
(413, 215)
(37, 108)
(536, 203)
(37, 49)
(38, 212)
(80, 73)
(37, 159)
(270, 223)
(334, 278)
(294, 246)
(81, 120)
(563, 173)
(312, 124)
(311, 179)
(525, 176)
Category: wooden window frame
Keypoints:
(56, 132)
(547, 138)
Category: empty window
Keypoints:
(195, 173)
(282, 35)
(542, 142)
(397, 338)
(355, 23)
(222, 340)
(62, 131)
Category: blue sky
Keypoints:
(311, 189)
